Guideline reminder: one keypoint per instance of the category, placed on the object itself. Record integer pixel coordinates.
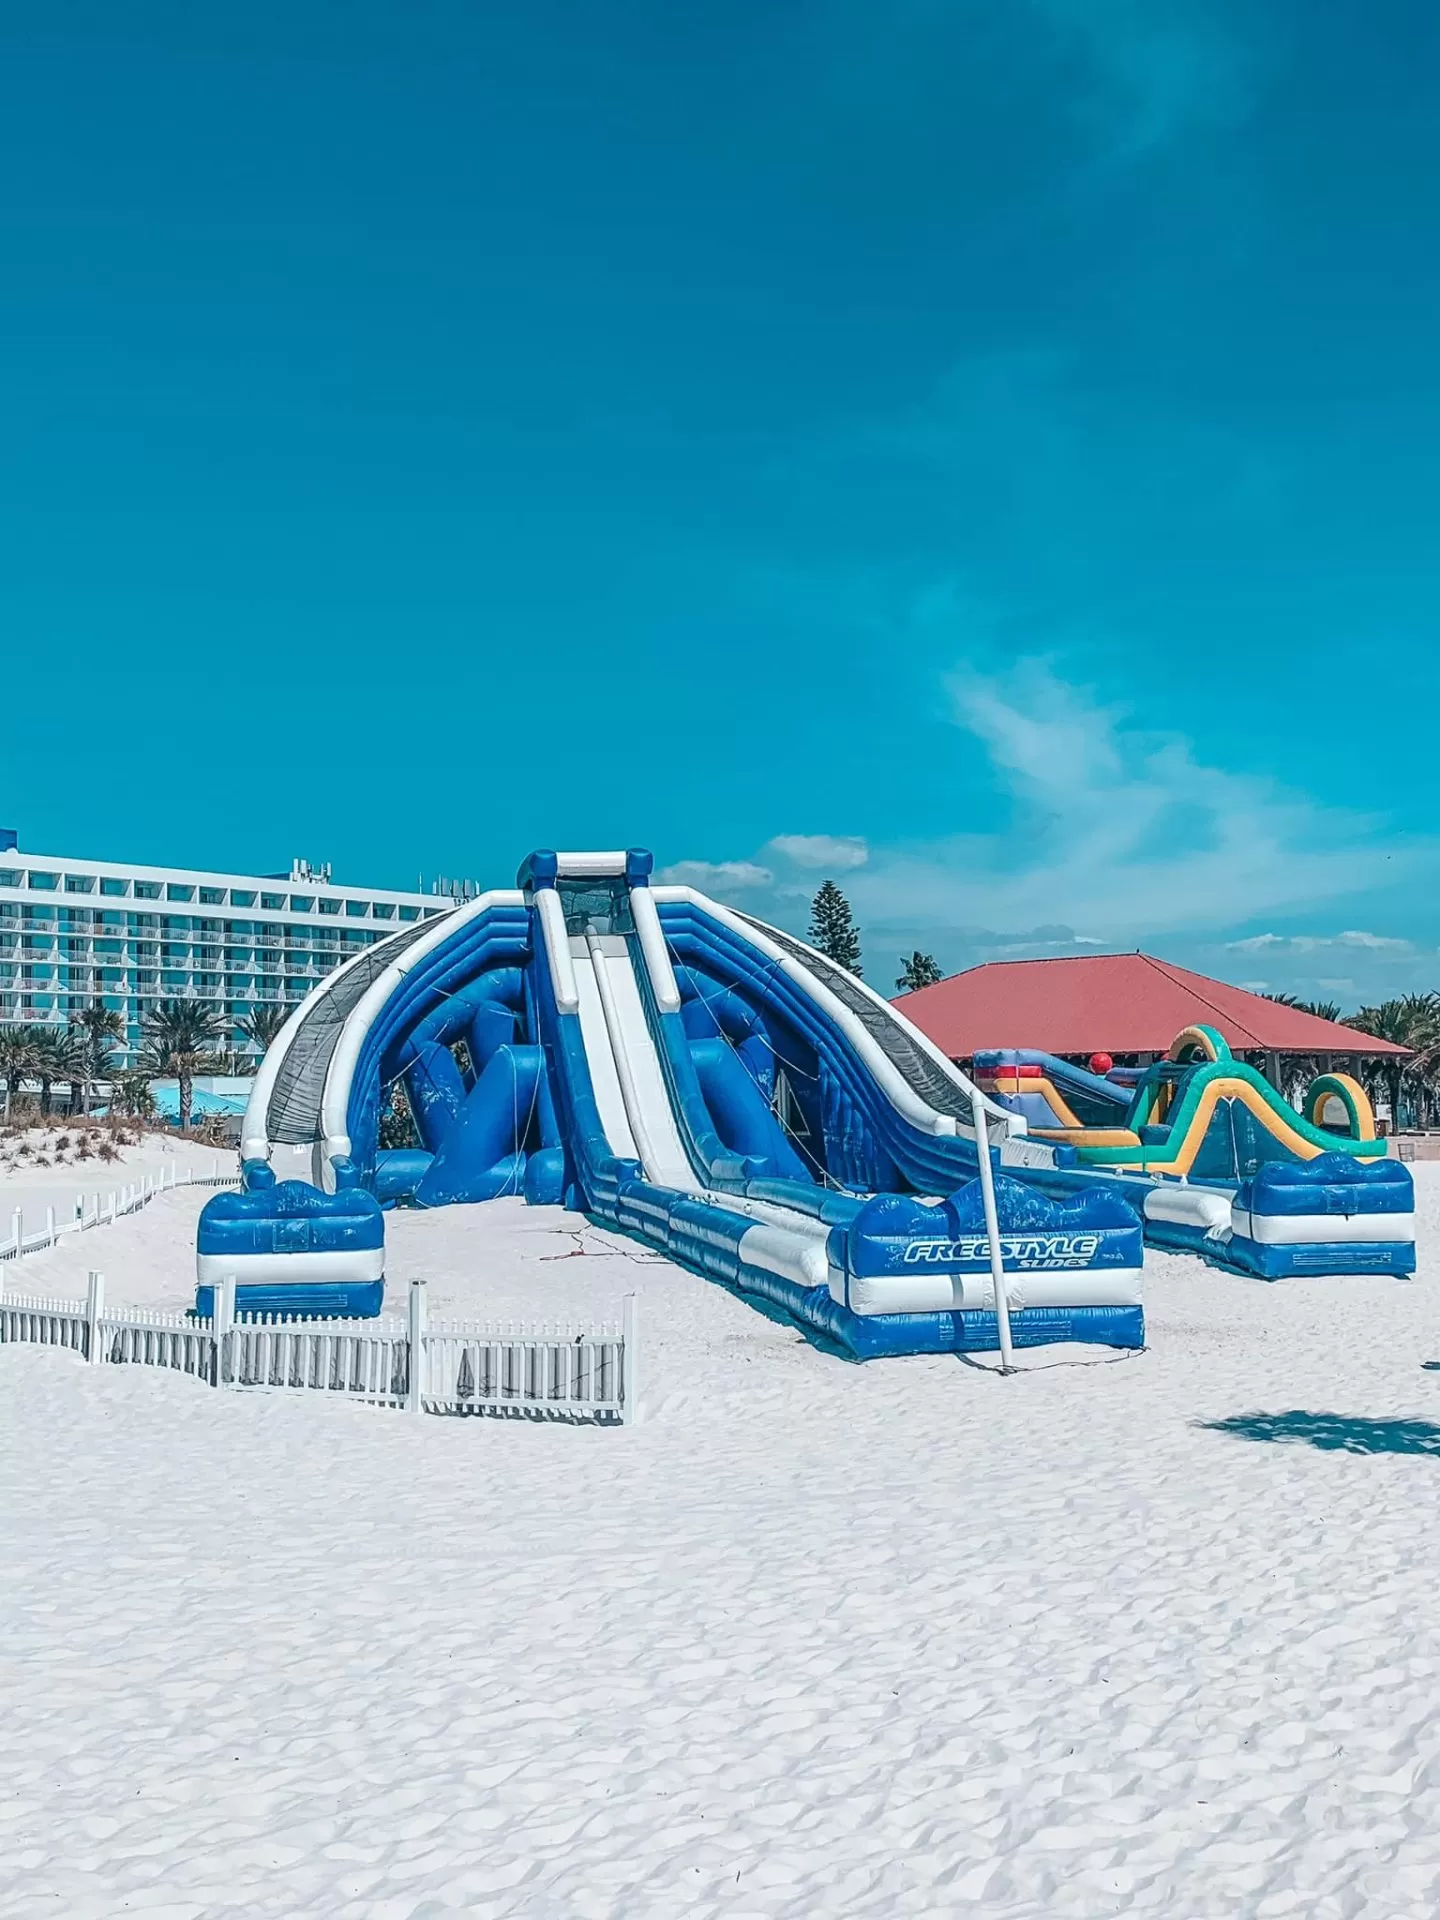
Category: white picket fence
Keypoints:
(553, 1370)
(96, 1212)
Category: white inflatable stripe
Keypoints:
(551, 917)
(925, 1292)
(1321, 1229)
(654, 950)
(1188, 1207)
(588, 866)
(259, 1269)
(793, 1255)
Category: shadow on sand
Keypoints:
(1334, 1432)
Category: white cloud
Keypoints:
(716, 876)
(839, 852)
(1320, 943)
(1375, 941)
(1127, 833)
(1118, 830)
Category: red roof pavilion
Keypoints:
(1113, 1003)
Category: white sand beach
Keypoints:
(1142, 1635)
(38, 1172)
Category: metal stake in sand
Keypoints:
(992, 1233)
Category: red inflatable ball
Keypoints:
(1100, 1063)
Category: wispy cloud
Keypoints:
(1115, 834)
(836, 852)
(716, 876)
(1320, 943)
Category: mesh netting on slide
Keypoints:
(292, 1118)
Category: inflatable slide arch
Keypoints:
(587, 1037)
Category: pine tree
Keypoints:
(833, 930)
(920, 970)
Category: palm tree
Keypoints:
(262, 1024)
(19, 1060)
(178, 1037)
(1411, 1021)
(133, 1095)
(920, 970)
(60, 1055)
(99, 1026)
(1322, 1009)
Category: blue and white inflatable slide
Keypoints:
(704, 1082)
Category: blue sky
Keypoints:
(987, 454)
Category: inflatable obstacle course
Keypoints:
(1262, 1188)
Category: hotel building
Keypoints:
(75, 931)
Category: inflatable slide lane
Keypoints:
(1220, 1164)
(706, 1083)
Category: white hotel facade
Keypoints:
(75, 931)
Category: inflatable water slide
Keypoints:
(705, 1082)
(1223, 1166)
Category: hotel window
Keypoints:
(330, 906)
(175, 891)
(273, 902)
(10, 876)
(357, 909)
(147, 889)
(79, 883)
(409, 913)
(383, 910)
(43, 882)
(116, 889)
(239, 899)
(301, 902)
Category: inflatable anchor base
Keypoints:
(1271, 1262)
(299, 1299)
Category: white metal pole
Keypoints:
(17, 1228)
(630, 1377)
(94, 1307)
(222, 1318)
(992, 1234)
(50, 1226)
(415, 1395)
